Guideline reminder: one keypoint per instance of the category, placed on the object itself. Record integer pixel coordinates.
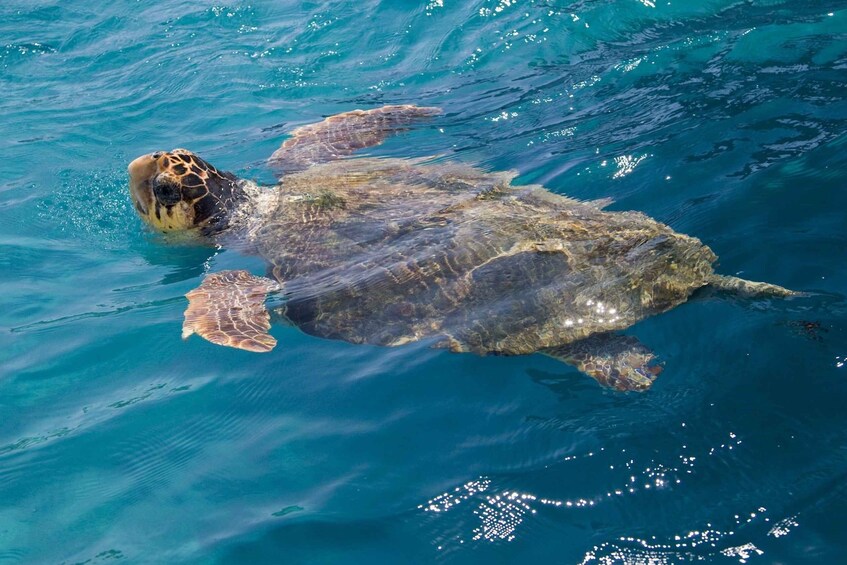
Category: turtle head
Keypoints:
(178, 191)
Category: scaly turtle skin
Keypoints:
(389, 251)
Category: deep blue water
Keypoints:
(725, 119)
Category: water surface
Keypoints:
(725, 119)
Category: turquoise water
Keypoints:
(725, 119)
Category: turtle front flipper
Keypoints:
(342, 134)
(228, 308)
(616, 361)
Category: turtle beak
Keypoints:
(141, 170)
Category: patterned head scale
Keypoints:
(177, 191)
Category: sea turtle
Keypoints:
(388, 251)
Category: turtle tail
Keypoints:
(749, 289)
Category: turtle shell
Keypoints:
(387, 251)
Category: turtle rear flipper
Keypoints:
(228, 308)
(615, 361)
(749, 289)
(342, 134)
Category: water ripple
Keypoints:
(119, 440)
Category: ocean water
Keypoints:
(119, 441)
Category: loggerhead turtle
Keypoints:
(387, 251)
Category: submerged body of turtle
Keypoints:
(388, 251)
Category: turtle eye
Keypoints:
(166, 191)
(157, 154)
